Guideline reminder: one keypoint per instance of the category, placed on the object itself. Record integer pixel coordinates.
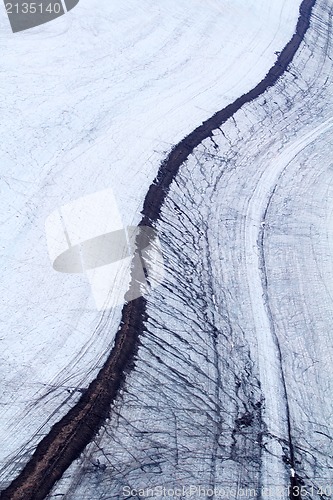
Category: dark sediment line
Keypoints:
(68, 438)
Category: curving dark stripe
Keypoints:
(68, 438)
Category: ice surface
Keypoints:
(94, 100)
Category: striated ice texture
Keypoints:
(93, 101)
(232, 386)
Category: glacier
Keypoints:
(232, 385)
